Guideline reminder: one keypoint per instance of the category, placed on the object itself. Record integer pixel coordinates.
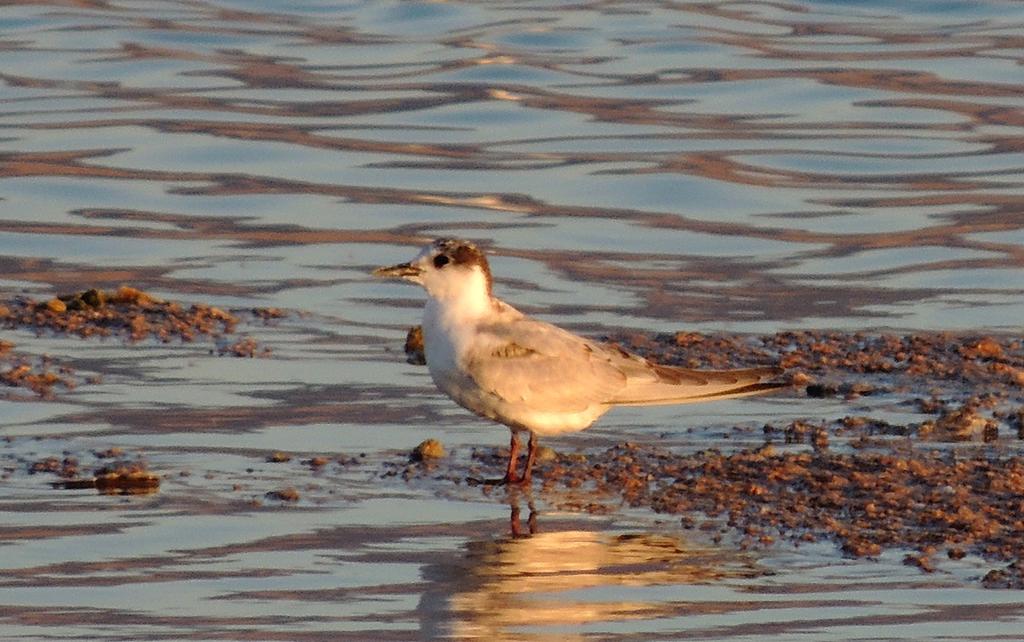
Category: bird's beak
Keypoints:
(400, 271)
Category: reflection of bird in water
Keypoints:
(530, 375)
(570, 578)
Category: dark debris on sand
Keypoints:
(135, 315)
(819, 356)
(112, 474)
(39, 375)
(932, 502)
(127, 312)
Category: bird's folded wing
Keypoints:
(531, 362)
(650, 384)
(535, 363)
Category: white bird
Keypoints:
(533, 376)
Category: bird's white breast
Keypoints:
(442, 342)
(449, 338)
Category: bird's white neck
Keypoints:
(450, 319)
(461, 300)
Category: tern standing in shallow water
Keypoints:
(533, 376)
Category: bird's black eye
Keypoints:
(440, 261)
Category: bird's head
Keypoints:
(447, 269)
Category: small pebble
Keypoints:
(427, 449)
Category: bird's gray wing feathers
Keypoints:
(650, 384)
(552, 370)
(529, 361)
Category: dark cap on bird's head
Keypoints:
(461, 252)
(442, 254)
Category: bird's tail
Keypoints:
(662, 385)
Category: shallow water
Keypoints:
(746, 167)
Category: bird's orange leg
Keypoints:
(512, 477)
(531, 455)
(513, 460)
